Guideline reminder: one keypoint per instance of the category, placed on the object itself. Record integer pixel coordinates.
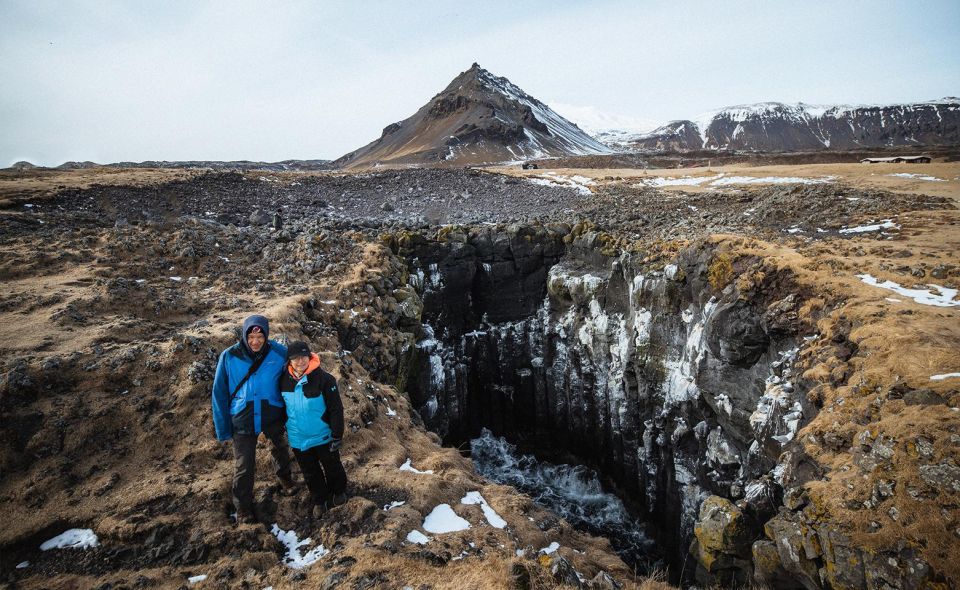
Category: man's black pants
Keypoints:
(245, 457)
(323, 472)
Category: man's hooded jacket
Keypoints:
(258, 404)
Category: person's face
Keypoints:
(300, 363)
(256, 340)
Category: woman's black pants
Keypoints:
(323, 472)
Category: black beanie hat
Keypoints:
(298, 348)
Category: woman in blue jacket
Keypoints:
(314, 425)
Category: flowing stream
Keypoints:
(571, 491)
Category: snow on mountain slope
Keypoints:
(610, 129)
(775, 126)
(479, 118)
(567, 135)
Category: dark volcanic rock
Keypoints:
(674, 394)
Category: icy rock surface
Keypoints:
(674, 391)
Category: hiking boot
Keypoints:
(245, 516)
(338, 500)
(287, 487)
(318, 510)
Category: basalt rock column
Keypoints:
(675, 388)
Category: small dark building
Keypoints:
(529, 166)
(922, 159)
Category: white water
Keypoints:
(571, 491)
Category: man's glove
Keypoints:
(335, 444)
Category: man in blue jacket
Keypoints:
(246, 402)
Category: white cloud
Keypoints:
(181, 80)
(591, 119)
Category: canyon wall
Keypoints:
(676, 381)
(671, 388)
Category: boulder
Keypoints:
(923, 397)
(723, 537)
(945, 477)
(798, 548)
(767, 569)
(259, 217)
(564, 573)
(735, 334)
(604, 581)
(781, 316)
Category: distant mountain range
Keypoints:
(781, 127)
(282, 166)
(478, 118)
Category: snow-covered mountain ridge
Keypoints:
(776, 126)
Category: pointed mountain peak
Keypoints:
(479, 118)
(478, 78)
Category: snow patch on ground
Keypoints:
(724, 180)
(917, 176)
(551, 548)
(771, 180)
(417, 537)
(945, 297)
(196, 579)
(580, 184)
(681, 181)
(492, 517)
(943, 376)
(72, 539)
(871, 227)
(444, 520)
(408, 466)
(294, 558)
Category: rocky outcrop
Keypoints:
(675, 388)
(803, 548)
(722, 543)
(680, 383)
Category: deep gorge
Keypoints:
(672, 389)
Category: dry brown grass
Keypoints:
(898, 343)
(39, 183)
(195, 468)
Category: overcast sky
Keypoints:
(112, 81)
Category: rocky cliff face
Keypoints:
(776, 126)
(641, 372)
(677, 382)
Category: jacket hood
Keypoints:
(262, 323)
(259, 321)
(311, 367)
